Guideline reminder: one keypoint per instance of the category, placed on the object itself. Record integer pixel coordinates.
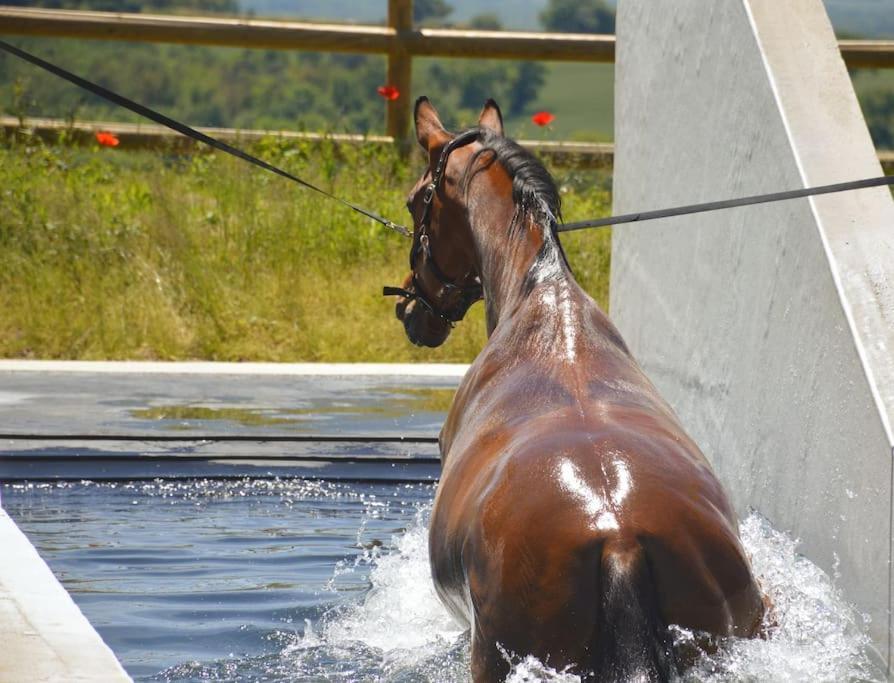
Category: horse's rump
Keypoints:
(582, 557)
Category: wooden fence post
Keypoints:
(400, 69)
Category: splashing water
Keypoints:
(400, 631)
(817, 636)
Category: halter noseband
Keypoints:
(468, 294)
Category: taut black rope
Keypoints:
(182, 128)
(728, 203)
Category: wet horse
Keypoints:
(575, 519)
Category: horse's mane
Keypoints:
(533, 188)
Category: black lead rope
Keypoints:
(182, 128)
(153, 115)
(728, 203)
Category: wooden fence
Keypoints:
(399, 40)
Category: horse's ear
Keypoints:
(429, 130)
(491, 118)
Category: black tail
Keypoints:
(631, 641)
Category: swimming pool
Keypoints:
(265, 578)
(186, 580)
(295, 580)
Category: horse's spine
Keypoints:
(631, 641)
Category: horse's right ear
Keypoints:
(429, 130)
(491, 118)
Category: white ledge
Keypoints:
(45, 636)
(213, 368)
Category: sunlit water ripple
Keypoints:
(271, 580)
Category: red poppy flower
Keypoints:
(389, 92)
(107, 139)
(543, 118)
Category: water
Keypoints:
(290, 580)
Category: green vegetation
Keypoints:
(875, 90)
(107, 253)
(578, 16)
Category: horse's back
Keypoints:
(534, 524)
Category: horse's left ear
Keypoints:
(491, 118)
(429, 130)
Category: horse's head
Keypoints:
(444, 274)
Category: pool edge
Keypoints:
(230, 368)
(46, 636)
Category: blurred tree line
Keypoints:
(232, 87)
(878, 108)
(243, 88)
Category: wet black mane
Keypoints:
(533, 188)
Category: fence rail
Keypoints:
(150, 136)
(399, 40)
(398, 36)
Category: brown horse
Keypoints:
(575, 519)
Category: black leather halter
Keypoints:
(467, 294)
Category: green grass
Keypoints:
(116, 254)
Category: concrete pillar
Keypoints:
(769, 328)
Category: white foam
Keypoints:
(401, 631)
(402, 611)
(531, 670)
(817, 635)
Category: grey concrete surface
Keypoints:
(137, 421)
(221, 398)
(46, 638)
(768, 328)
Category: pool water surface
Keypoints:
(294, 580)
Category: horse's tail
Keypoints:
(632, 642)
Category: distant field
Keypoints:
(582, 97)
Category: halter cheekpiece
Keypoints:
(468, 294)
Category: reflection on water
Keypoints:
(179, 415)
(382, 402)
(308, 581)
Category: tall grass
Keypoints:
(115, 254)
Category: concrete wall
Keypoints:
(769, 328)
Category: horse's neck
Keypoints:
(522, 265)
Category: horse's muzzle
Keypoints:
(421, 326)
(424, 329)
